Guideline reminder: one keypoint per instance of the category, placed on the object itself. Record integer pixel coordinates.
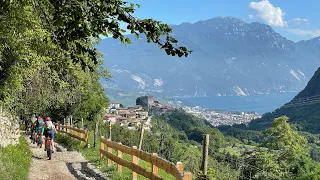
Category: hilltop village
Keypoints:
(147, 106)
(134, 116)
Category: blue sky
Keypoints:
(294, 19)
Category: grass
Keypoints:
(93, 156)
(15, 161)
(237, 150)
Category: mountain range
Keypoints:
(230, 58)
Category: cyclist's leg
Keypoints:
(46, 140)
(42, 133)
(37, 131)
(52, 138)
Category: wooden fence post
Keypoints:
(141, 137)
(109, 130)
(205, 151)
(76, 133)
(101, 146)
(187, 176)
(119, 154)
(154, 168)
(87, 138)
(180, 167)
(95, 135)
(135, 161)
(109, 151)
(82, 123)
(81, 134)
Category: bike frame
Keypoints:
(48, 140)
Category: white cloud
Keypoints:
(250, 16)
(299, 20)
(270, 14)
(302, 32)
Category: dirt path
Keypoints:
(65, 164)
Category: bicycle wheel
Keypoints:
(40, 141)
(34, 138)
(49, 149)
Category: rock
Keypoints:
(9, 131)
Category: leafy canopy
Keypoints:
(48, 60)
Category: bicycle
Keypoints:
(33, 135)
(39, 140)
(49, 147)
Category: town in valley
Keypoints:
(147, 106)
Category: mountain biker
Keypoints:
(39, 128)
(33, 125)
(49, 132)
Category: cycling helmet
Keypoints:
(48, 119)
(39, 118)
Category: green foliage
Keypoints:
(302, 118)
(15, 161)
(242, 135)
(190, 129)
(315, 152)
(281, 137)
(48, 61)
(194, 128)
(286, 158)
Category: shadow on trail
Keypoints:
(81, 171)
(36, 157)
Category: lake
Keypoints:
(257, 103)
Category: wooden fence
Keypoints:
(156, 162)
(82, 135)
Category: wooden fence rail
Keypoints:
(82, 135)
(156, 162)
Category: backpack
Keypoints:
(49, 125)
(33, 120)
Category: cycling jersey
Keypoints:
(39, 125)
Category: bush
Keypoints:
(15, 160)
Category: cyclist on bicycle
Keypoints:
(39, 128)
(49, 132)
(33, 125)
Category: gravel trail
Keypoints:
(65, 164)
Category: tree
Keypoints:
(287, 155)
(282, 138)
(48, 60)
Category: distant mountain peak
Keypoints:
(221, 19)
(229, 56)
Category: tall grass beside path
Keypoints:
(15, 160)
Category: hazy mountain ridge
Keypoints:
(303, 110)
(230, 57)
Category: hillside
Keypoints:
(303, 110)
(230, 57)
